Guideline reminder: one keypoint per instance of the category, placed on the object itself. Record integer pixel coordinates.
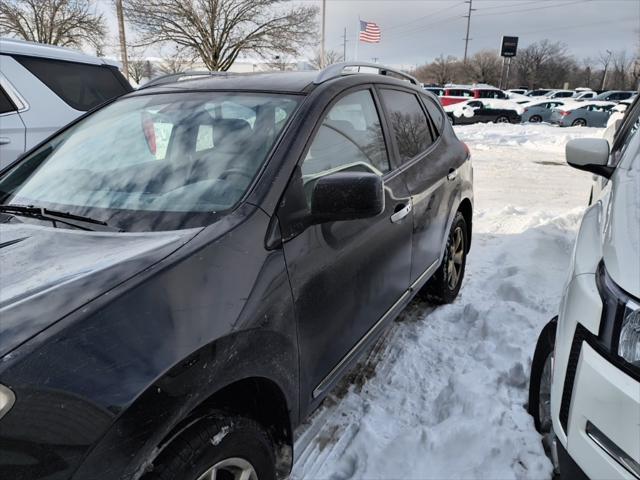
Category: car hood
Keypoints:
(622, 231)
(47, 273)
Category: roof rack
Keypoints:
(337, 70)
(181, 76)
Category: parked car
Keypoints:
(584, 392)
(582, 114)
(615, 95)
(437, 91)
(220, 253)
(460, 93)
(540, 110)
(42, 88)
(519, 91)
(583, 94)
(482, 111)
(554, 94)
(540, 92)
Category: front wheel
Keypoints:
(222, 447)
(445, 284)
(502, 119)
(541, 379)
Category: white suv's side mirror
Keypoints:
(590, 154)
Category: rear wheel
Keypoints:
(535, 119)
(579, 122)
(220, 448)
(445, 284)
(502, 119)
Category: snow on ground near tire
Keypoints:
(443, 394)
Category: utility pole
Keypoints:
(606, 66)
(324, 18)
(466, 38)
(344, 45)
(123, 40)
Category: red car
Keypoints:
(460, 93)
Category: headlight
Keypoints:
(7, 398)
(620, 324)
(629, 347)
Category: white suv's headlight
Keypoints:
(620, 324)
(629, 346)
(7, 399)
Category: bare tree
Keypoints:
(543, 63)
(486, 67)
(605, 60)
(217, 31)
(330, 57)
(442, 70)
(177, 62)
(67, 23)
(140, 69)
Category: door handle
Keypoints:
(453, 174)
(5, 140)
(401, 213)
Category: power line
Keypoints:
(430, 15)
(555, 5)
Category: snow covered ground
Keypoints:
(442, 395)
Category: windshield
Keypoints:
(152, 162)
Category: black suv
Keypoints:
(187, 271)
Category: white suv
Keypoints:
(42, 88)
(584, 391)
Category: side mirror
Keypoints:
(347, 196)
(590, 155)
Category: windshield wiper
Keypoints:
(58, 216)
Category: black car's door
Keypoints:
(429, 166)
(346, 275)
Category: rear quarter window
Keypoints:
(79, 85)
(435, 112)
(6, 105)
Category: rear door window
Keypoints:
(409, 123)
(79, 85)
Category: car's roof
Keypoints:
(13, 46)
(281, 82)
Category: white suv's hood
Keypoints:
(622, 231)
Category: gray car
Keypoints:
(540, 112)
(615, 95)
(42, 88)
(593, 115)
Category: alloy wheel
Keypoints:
(456, 257)
(230, 469)
(502, 119)
(579, 123)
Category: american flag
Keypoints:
(369, 32)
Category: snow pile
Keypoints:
(537, 137)
(443, 394)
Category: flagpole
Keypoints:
(358, 38)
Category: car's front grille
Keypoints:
(576, 346)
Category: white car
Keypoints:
(560, 94)
(42, 88)
(584, 390)
(584, 95)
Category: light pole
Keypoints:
(123, 41)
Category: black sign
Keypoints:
(509, 46)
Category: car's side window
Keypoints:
(6, 105)
(436, 114)
(349, 138)
(408, 122)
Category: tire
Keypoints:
(451, 119)
(441, 289)
(230, 443)
(502, 119)
(579, 122)
(537, 391)
(535, 119)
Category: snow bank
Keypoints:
(444, 394)
(537, 137)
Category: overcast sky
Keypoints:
(417, 31)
